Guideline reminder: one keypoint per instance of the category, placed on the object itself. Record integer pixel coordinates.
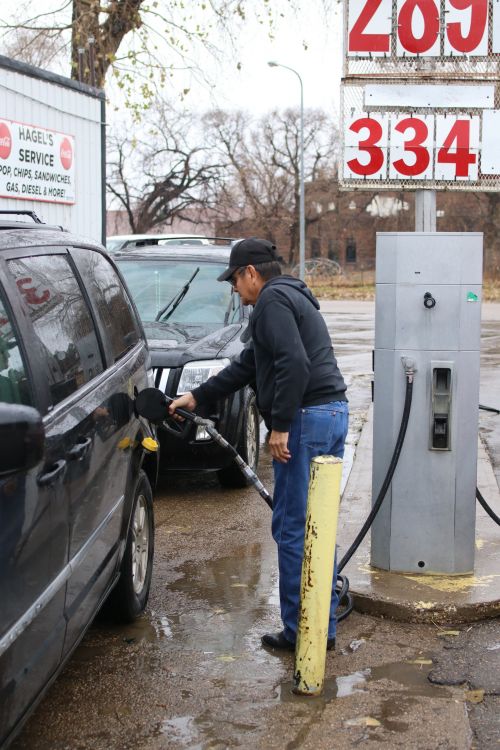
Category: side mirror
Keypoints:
(22, 438)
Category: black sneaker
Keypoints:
(277, 641)
(280, 642)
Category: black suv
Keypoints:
(194, 326)
(76, 463)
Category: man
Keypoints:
(300, 393)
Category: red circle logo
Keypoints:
(5, 141)
(66, 153)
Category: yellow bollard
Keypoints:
(317, 573)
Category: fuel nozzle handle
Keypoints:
(189, 415)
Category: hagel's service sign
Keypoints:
(36, 163)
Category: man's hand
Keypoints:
(186, 401)
(278, 445)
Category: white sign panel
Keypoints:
(369, 27)
(416, 96)
(490, 150)
(415, 28)
(421, 147)
(411, 147)
(36, 163)
(495, 45)
(466, 28)
(366, 143)
(418, 28)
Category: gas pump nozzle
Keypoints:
(410, 367)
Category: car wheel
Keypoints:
(247, 447)
(130, 595)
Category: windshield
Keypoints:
(154, 283)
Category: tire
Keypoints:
(247, 447)
(130, 595)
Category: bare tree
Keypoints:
(40, 48)
(263, 161)
(161, 176)
(489, 208)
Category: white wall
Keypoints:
(48, 104)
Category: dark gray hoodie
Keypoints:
(289, 358)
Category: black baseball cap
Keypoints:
(249, 252)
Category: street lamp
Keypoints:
(302, 220)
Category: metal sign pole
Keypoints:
(425, 210)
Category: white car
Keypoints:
(124, 242)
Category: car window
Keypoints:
(14, 386)
(61, 320)
(155, 283)
(178, 241)
(111, 300)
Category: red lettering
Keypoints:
(478, 20)
(430, 33)
(359, 40)
(459, 139)
(369, 144)
(414, 145)
(30, 293)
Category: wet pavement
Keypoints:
(191, 673)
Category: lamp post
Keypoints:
(302, 219)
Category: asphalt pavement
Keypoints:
(191, 673)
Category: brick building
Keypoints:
(342, 225)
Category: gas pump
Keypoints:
(428, 313)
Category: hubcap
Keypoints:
(251, 438)
(140, 544)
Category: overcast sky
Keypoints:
(257, 87)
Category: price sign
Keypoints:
(409, 147)
(423, 28)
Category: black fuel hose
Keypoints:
(388, 477)
(345, 598)
(482, 502)
(489, 408)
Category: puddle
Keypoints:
(182, 731)
(387, 717)
(222, 602)
(411, 675)
(334, 687)
(203, 731)
(149, 627)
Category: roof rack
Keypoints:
(12, 212)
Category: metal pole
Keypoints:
(302, 212)
(91, 42)
(323, 503)
(81, 64)
(425, 210)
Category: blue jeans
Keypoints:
(315, 431)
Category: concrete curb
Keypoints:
(419, 598)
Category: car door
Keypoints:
(80, 427)
(98, 504)
(32, 592)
